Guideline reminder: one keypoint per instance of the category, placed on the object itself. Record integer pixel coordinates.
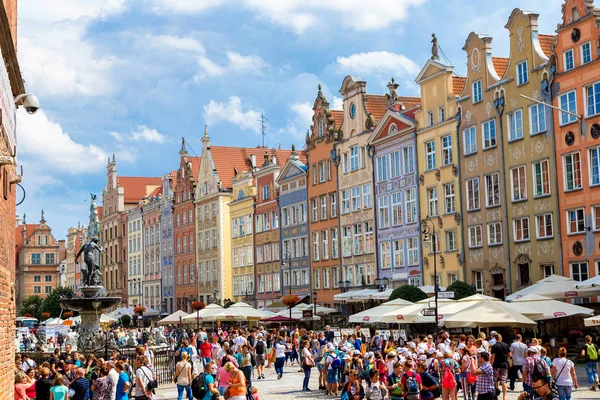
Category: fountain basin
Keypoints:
(90, 304)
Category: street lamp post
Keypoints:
(288, 257)
(314, 308)
(428, 228)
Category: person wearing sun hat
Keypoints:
(449, 363)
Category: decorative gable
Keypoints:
(291, 170)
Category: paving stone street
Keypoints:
(290, 387)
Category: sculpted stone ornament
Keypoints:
(131, 341)
(434, 48)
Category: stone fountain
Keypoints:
(92, 300)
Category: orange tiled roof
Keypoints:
(137, 187)
(409, 101)
(195, 166)
(376, 105)
(99, 209)
(458, 84)
(338, 118)
(500, 65)
(546, 41)
(155, 192)
(19, 234)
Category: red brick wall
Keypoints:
(11, 11)
(7, 305)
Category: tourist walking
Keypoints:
(143, 376)
(260, 349)
(280, 349)
(518, 350)
(209, 382)
(246, 364)
(308, 363)
(590, 351)
(183, 377)
(499, 360)
(563, 373)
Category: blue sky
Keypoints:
(132, 77)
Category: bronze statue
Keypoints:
(90, 272)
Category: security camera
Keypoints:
(29, 101)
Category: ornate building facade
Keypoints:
(576, 89)
(439, 184)
(166, 243)
(394, 160)
(323, 198)
(135, 255)
(293, 212)
(151, 284)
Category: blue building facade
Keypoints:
(394, 155)
(293, 214)
(166, 249)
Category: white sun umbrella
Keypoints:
(488, 314)
(373, 315)
(203, 315)
(590, 283)
(447, 310)
(107, 318)
(592, 321)
(547, 307)
(268, 313)
(555, 287)
(412, 314)
(53, 321)
(173, 318)
(430, 289)
(321, 310)
(237, 312)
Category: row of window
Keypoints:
(544, 229)
(430, 153)
(150, 240)
(182, 274)
(353, 160)
(322, 171)
(354, 199)
(184, 218)
(210, 211)
(358, 239)
(267, 221)
(572, 175)
(208, 271)
(207, 240)
(243, 284)
(585, 56)
(294, 214)
(135, 287)
(397, 208)
(184, 249)
(295, 247)
(241, 226)
(134, 243)
(267, 252)
(134, 266)
(38, 278)
(399, 248)
(38, 289)
(299, 277)
(36, 258)
(242, 256)
(441, 116)
(540, 172)
(321, 247)
(396, 163)
(319, 206)
(269, 282)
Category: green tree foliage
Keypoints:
(31, 305)
(408, 293)
(228, 303)
(51, 304)
(461, 290)
(125, 320)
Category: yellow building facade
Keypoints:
(439, 191)
(241, 211)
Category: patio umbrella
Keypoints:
(547, 307)
(592, 321)
(53, 321)
(204, 314)
(590, 283)
(373, 315)
(104, 318)
(554, 286)
(237, 312)
(486, 314)
(173, 318)
(412, 314)
(430, 289)
(279, 318)
(268, 313)
(301, 307)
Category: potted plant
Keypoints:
(290, 300)
(45, 315)
(198, 305)
(68, 314)
(139, 310)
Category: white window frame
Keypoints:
(591, 89)
(367, 193)
(354, 158)
(594, 170)
(441, 114)
(488, 140)
(575, 212)
(582, 52)
(396, 199)
(494, 233)
(408, 159)
(518, 193)
(382, 168)
(396, 168)
(492, 177)
(565, 63)
(568, 102)
(473, 194)
(432, 202)
(539, 121)
(383, 212)
(570, 156)
(521, 224)
(515, 125)
(596, 218)
(430, 157)
(477, 91)
(579, 271)
(522, 73)
(542, 183)
(411, 205)
(447, 156)
(430, 120)
(412, 249)
(451, 241)
(449, 198)
(470, 146)
(542, 221)
(475, 236)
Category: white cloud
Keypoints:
(148, 135)
(118, 137)
(304, 113)
(184, 44)
(251, 63)
(184, 6)
(338, 103)
(55, 55)
(232, 112)
(237, 64)
(377, 62)
(300, 15)
(43, 143)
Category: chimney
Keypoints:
(253, 160)
(274, 160)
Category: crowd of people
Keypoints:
(225, 363)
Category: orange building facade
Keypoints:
(323, 201)
(576, 88)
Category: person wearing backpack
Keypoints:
(533, 367)
(394, 383)
(411, 382)
(333, 364)
(448, 368)
(485, 377)
(183, 377)
(203, 385)
(590, 351)
(261, 352)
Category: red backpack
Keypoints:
(448, 379)
(382, 370)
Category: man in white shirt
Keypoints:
(238, 342)
(492, 340)
(27, 363)
(518, 350)
(113, 375)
